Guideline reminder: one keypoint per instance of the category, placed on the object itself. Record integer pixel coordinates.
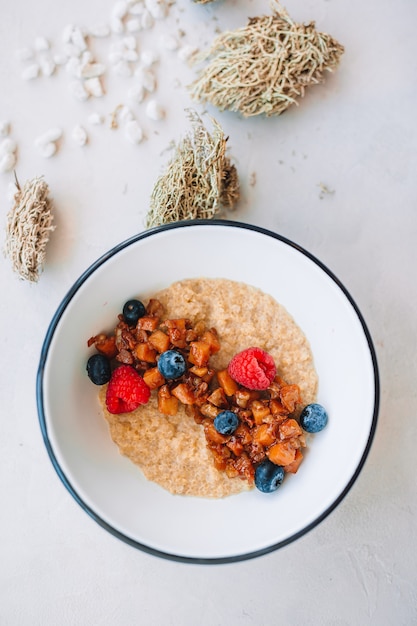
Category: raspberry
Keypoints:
(126, 390)
(253, 368)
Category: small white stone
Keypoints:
(7, 162)
(186, 52)
(41, 44)
(130, 42)
(86, 57)
(31, 71)
(93, 70)
(73, 67)
(47, 150)
(67, 33)
(136, 93)
(126, 115)
(131, 56)
(60, 58)
(155, 111)
(133, 25)
(4, 128)
(137, 8)
(78, 90)
(8, 146)
(96, 119)
(170, 42)
(146, 20)
(79, 135)
(78, 39)
(119, 9)
(148, 58)
(47, 65)
(133, 132)
(94, 87)
(99, 30)
(51, 135)
(72, 50)
(146, 78)
(116, 26)
(25, 54)
(122, 69)
(157, 8)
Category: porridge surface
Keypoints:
(171, 450)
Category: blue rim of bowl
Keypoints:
(41, 413)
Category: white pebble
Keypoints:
(4, 128)
(7, 146)
(60, 58)
(186, 52)
(146, 20)
(78, 39)
(131, 56)
(126, 115)
(136, 93)
(123, 69)
(96, 119)
(67, 33)
(41, 44)
(71, 50)
(93, 70)
(130, 42)
(86, 57)
(148, 58)
(51, 135)
(47, 150)
(78, 90)
(25, 54)
(133, 25)
(94, 87)
(73, 67)
(7, 162)
(133, 132)
(119, 9)
(47, 65)
(154, 111)
(116, 26)
(31, 72)
(99, 30)
(157, 8)
(79, 135)
(146, 78)
(137, 8)
(170, 42)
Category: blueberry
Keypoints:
(132, 311)
(98, 369)
(268, 476)
(226, 422)
(171, 364)
(313, 418)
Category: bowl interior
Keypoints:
(112, 489)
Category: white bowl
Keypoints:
(112, 490)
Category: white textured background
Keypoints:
(357, 135)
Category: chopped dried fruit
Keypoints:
(253, 368)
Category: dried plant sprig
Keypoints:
(199, 180)
(265, 67)
(29, 225)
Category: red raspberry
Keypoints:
(253, 368)
(126, 390)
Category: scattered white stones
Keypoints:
(146, 78)
(79, 135)
(136, 93)
(8, 149)
(96, 119)
(148, 58)
(157, 8)
(78, 90)
(41, 44)
(4, 128)
(47, 150)
(7, 162)
(170, 42)
(99, 30)
(93, 87)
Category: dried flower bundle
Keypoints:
(265, 67)
(29, 224)
(198, 181)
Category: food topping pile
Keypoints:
(248, 413)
